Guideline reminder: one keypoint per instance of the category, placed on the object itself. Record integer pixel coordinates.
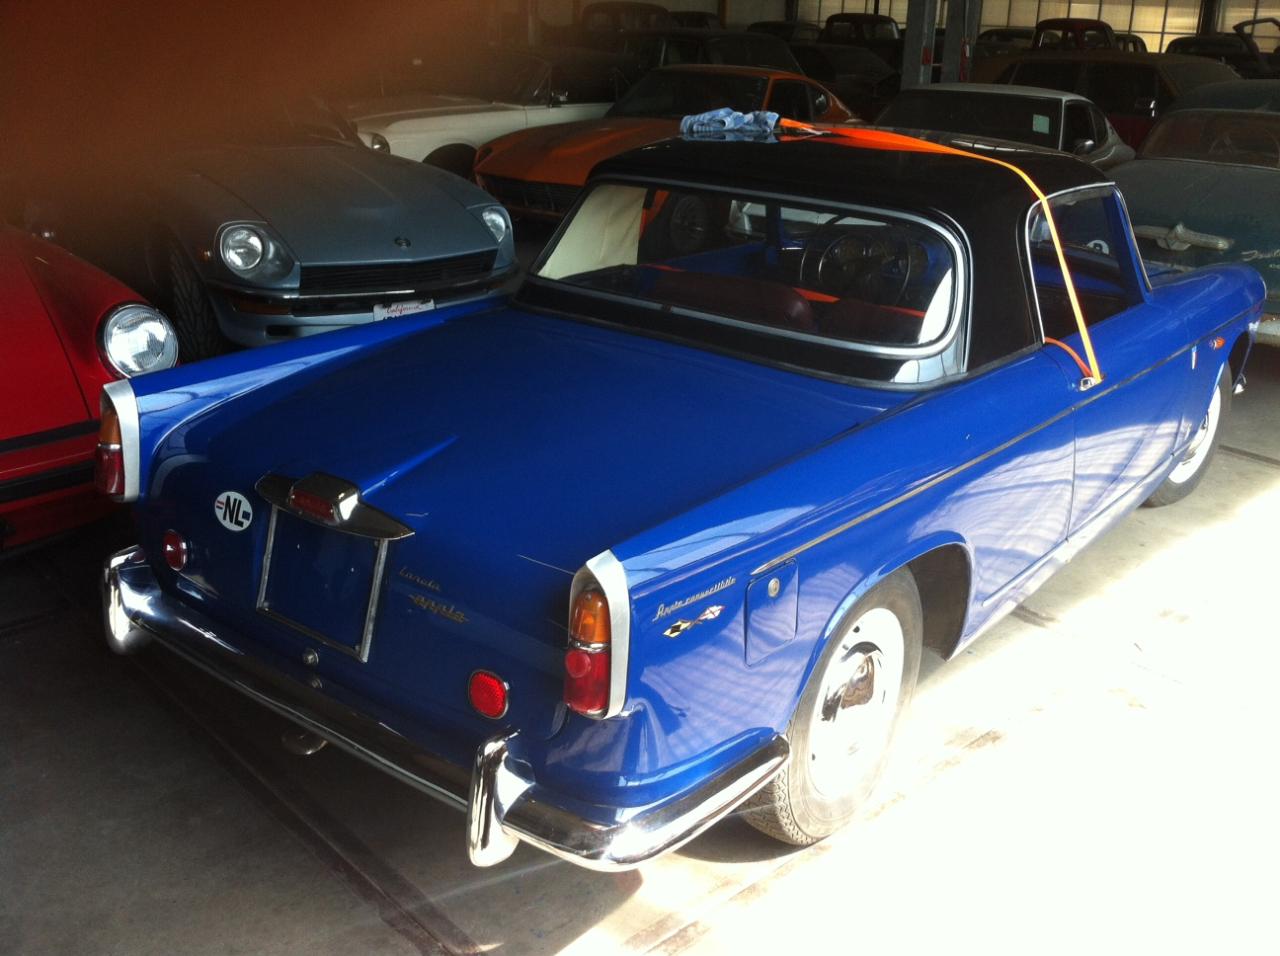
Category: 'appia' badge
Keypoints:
(233, 510)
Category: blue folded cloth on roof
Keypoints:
(729, 123)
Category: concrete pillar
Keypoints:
(917, 46)
(963, 17)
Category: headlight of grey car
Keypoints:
(378, 143)
(495, 217)
(250, 251)
(137, 339)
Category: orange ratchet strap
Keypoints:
(880, 139)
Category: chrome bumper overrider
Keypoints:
(503, 806)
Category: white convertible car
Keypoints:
(441, 115)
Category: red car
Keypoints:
(68, 330)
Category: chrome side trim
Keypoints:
(126, 406)
(608, 572)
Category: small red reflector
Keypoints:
(488, 694)
(175, 550)
(313, 505)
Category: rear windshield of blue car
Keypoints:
(1023, 119)
(858, 280)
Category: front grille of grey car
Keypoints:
(537, 197)
(396, 276)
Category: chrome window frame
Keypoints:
(958, 315)
(1101, 188)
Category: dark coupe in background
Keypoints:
(1205, 188)
(264, 227)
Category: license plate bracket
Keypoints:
(322, 582)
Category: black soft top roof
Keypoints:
(971, 192)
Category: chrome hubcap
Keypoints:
(856, 704)
(1202, 442)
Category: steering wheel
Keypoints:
(861, 263)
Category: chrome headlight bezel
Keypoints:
(126, 318)
(275, 261)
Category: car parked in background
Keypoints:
(876, 32)
(441, 112)
(610, 16)
(1206, 186)
(667, 533)
(863, 81)
(1073, 33)
(539, 172)
(1039, 117)
(68, 329)
(277, 222)
(1133, 89)
(696, 20)
(999, 41)
(1131, 42)
(650, 49)
(791, 31)
(1237, 49)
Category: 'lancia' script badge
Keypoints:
(233, 510)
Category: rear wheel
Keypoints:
(1195, 461)
(842, 728)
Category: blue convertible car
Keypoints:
(665, 535)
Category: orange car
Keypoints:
(538, 171)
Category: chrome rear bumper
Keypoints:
(503, 806)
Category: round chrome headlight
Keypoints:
(378, 143)
(243, 248)
(137, 339)
(497, 221)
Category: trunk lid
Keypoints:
(516, 447)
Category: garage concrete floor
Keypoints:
(1096, 774)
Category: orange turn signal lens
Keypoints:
(108, 457)
(589, 623)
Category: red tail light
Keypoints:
(587, 661)
(108, 457)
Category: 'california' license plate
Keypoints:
(398, 309)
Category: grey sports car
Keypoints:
(287, 225)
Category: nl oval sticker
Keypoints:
(233, 510)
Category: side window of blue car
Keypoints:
(1094, 235)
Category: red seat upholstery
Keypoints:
(737, 297)
(860, 321)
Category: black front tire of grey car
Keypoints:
(190, 309)
(1189, 472)
(866, 675)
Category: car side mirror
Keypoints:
(820, 105)
(559, 97)
(1083, 147)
